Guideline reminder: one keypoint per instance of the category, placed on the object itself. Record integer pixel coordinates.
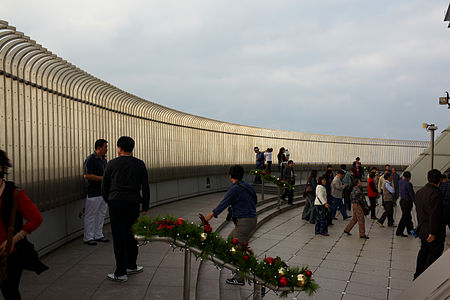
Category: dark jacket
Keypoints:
(429, 210)
(242, 198)
(287, 174)
(124, 179)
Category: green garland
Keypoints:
(269, 177)
(271, 270)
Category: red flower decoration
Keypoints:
(235, 241)
(284, 281)
(270, 260)
(207, 228)
(244, 245)
(180, 222)
(165, 224)
(308, 273)
(246, 257)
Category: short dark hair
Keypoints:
(434, 176)
(387, 175)
(444, 176)
(358, 158)
(290, 162)
(99, 143)
(407, 174)
(319, 181)
(387, 165)
(5, 163)
(329, 166)
(125, 143)
(343, 167)
(372, 175)
(236, 172)
(341, 172)
(373, 168)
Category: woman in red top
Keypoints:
(25, 210)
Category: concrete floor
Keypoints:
(345, 267)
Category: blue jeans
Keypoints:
(338, 203)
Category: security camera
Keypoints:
(444, 100)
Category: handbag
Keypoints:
(4, 259)
(309, 188)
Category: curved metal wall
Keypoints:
(51, 113)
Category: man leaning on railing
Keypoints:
(242, 198)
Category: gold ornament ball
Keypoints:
(301, 279)
(203, 236)
(281, 271)
(233, 250)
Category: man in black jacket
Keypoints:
(123, 180)
(431, 228)
(289, 176)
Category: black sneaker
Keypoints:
(347, 217)
(347, 233)
(234, 281)
(91, 243)
(102, 240)
(401, 234)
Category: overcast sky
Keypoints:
(353, 68)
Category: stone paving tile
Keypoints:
(369, 291)
(348, 296)
(333, 285)
(369, 279)
(394, 293)
(163, 293)
(400, 284)
(402, 274)
(338, 265)
(371, 269)
(374, 262)
(332, 273)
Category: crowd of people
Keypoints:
(122, 185)
(329, 193)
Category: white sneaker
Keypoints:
(138, 269)
(115, 278)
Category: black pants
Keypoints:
(373, 204)
(428, 254)
(389, 213)
(289, 193)
(406, 220)
(10, 288)
(123, 215)
(269, 167)
(347, 201)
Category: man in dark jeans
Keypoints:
(259, 163)
(431, 228)
(388, 202)
(406, 204)
(289, 176)
(124, 178)
(242, 199)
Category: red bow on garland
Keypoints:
(165, 224)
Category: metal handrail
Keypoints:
(187, 266)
